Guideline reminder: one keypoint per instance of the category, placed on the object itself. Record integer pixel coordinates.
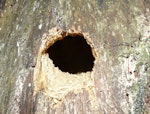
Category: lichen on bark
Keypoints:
(119, 31)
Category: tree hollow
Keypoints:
(72, 54)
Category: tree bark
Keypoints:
(120, 34)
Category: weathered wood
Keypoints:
(119, 32)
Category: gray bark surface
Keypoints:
(119, 30)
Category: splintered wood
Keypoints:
(56, 84)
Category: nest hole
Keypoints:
(72, 54)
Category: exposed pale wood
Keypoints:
(120, 34)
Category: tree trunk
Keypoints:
(118, 33)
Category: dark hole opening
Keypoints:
(127, 94)
(72, 54)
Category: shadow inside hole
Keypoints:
(72, 54)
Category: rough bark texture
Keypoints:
(120, 32)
